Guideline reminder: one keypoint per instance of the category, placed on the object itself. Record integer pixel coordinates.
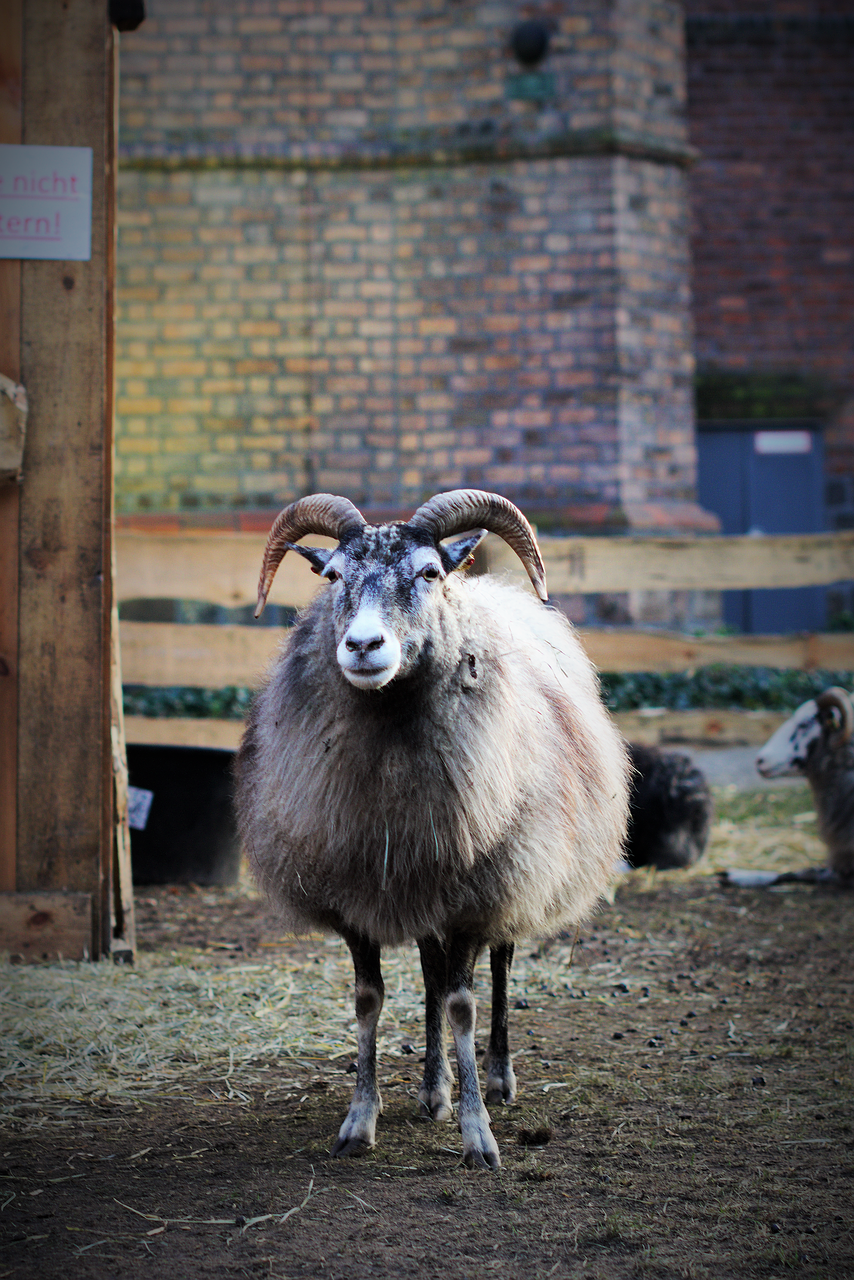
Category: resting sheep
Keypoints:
(670, 809)
(816, 741)
(430, 760)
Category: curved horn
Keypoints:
(319, 513)
(837, 699)
(459, 510)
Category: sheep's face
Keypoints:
(387, 583)
(787, 750)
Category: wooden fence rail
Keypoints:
(222, 567)
(210, 657)
(700, 564)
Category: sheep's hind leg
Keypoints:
(497, 1063)
(358, 1132)
(434, 1096)
(480, 1150)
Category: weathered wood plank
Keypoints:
(46, 926)
(11, 124)
(671, 564)
(9, 508)
(119, 917)
(182, 731)
(655, 725)
(662, 727)
(123, 918)
(64, 745)
(222, 567)
(208, 657)
(633, 650)
(162, 653)
(219, 568)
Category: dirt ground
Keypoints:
(689, 1115)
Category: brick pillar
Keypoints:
(374, 253)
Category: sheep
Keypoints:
(670, 809)
(816, 741)
(429, 760)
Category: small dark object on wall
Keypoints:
(127, 15)
(530, 42)
(670, 809)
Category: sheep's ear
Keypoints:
(456, 554)
(317, 557)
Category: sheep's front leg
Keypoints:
(434, 1096)
(480, 1150)
(358, 1132)
(497, 1063)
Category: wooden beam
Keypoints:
(656, 725)
(211, 657)
(217, 567)
(64, 757)
(633, 650)
(222, 567)
(679, 564)
(46, 926)
(11, 29)
(117, 879)
(208, 657)
(183, 731)
(123, 917)
(662, 727)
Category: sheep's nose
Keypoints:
(364, 646)
(369, 651)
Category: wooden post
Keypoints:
(10, 365)
(120, 880)
(64, 786)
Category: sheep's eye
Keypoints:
(430, 573)
(332, 575)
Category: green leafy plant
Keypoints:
(707, 689)
(718, 687)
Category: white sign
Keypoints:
(46, 202)
(782, 442)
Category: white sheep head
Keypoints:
(830, 716)
(389, 580)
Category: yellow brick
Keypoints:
(259, 329)
(135, 466)
(430, 325)
(184, 368)
(502, 323)
(189, 404)
(143, 405)
(136, 445)
(345, 231)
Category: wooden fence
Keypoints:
(222, 568)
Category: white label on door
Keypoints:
(782, 442)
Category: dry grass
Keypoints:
(77, 1032)
(773, 830)
(684, 1072)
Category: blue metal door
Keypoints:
(766, 480)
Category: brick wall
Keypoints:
(771, 109)
(212, 389)
(363, 249)
(379, 79)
